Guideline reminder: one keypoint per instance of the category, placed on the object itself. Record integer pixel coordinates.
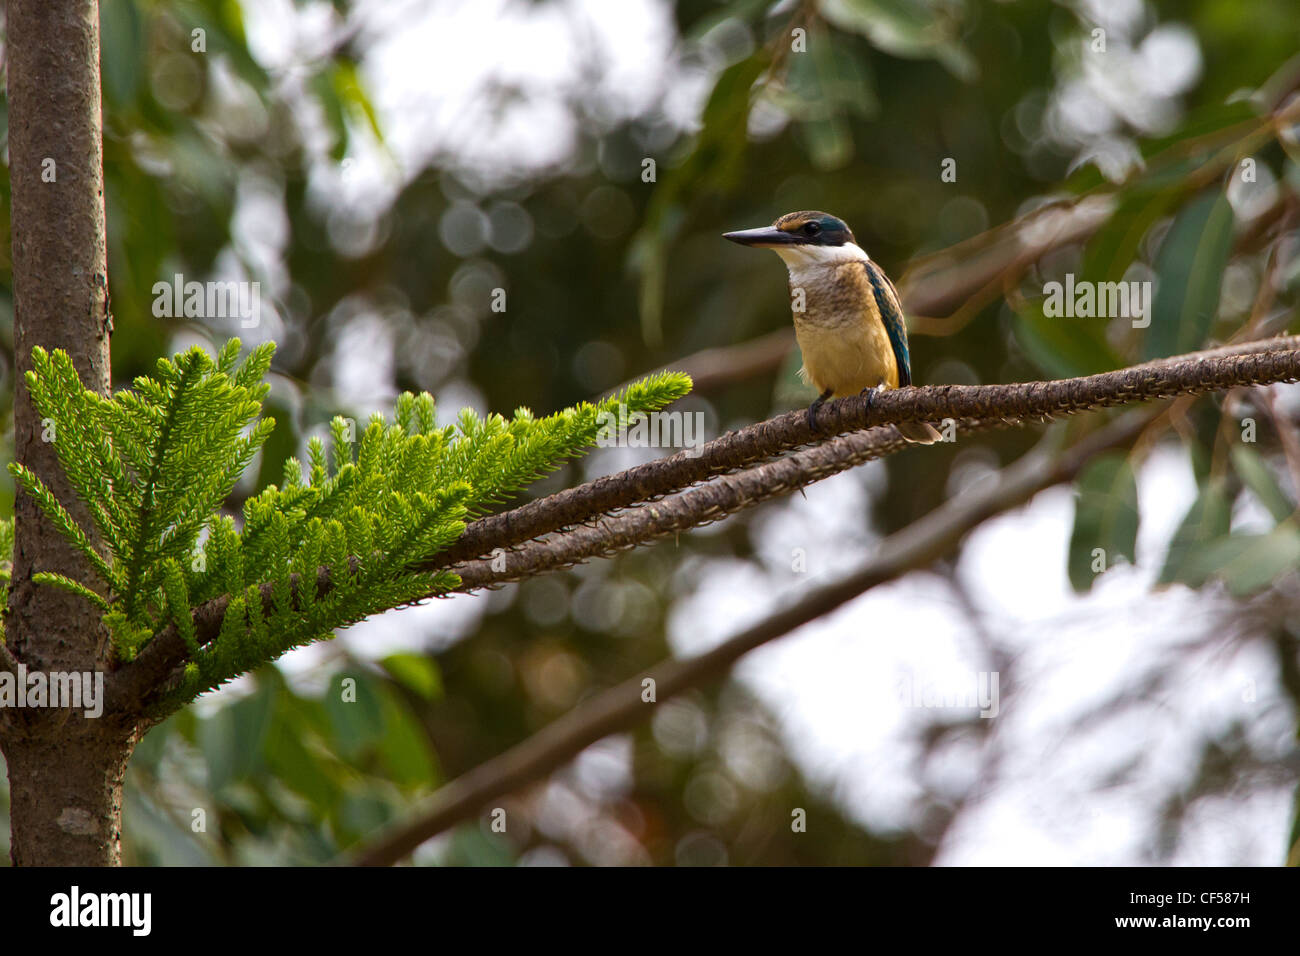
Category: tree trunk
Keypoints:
(65, 796)
(65, 770)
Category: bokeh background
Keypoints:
(381, 166)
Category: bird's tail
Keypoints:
(919, 432)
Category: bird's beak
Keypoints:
(763, 237)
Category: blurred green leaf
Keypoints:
(1207, 520)
(301, 770)
(1112, 250)
(1254, 471)
(1105, 516)
(471, 846)
(347, 84)
(914, 29)
(1189, 270)
(829, 142)
(222, 22)
(121, 42)
(356, 712)
(1064, 347)
(229, 739)
(362, 812)
(221, 751)
(332, 105)
(1246, 563)
(416, 672)
(746, 11)
(406, 750)
(823, 88)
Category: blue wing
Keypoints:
(890, 307)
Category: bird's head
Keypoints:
(803, 237)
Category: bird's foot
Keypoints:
(869, 394)
(812, 413)
(815, 407)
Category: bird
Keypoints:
(848, 317)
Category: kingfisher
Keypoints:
(848, 317)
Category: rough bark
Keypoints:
(65, 771)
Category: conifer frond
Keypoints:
(76, 587)
(63, 521)
(153, 465)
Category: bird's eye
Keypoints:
(811, 229)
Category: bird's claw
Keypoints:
(815, 407)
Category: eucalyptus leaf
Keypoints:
(1105, 518)
(1189, 269)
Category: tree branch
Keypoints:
(622, 707)
(972, 407)
(695, 507)
(718, 498)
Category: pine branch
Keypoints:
(319, 554)
(147, 512)
(135, 685)
(74, 587)
(622, 706)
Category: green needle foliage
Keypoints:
(153, 464)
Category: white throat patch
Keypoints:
(801, 257)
